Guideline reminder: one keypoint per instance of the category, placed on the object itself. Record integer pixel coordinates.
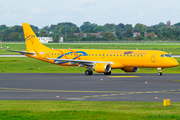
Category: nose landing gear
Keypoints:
(159, 71)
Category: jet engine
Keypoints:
(130, 69)
(102, 67)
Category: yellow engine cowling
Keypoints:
(102, 67)
(130, 69)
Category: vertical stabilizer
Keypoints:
(32, 42)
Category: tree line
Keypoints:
(107, 32)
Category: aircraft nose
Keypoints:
(174, 63)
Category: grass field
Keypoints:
(29, 65)
(174, 48)
(82, 110)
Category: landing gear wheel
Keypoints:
(107, 73)
(91, 72)
(160, 73)
(88, 72)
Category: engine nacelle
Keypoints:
(130, 69)
(102, 67)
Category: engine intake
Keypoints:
(102, 67)
(130, 69)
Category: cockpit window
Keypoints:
(167, 55)
(162, 55)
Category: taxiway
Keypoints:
(97, 87)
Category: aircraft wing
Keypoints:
(80, 62)
(21, 52)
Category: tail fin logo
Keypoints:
(29, 37)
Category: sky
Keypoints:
(43, 13)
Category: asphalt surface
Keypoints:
(97, 87)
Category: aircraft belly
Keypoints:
(117, 65)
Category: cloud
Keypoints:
(90, 18)
(10, 14)
(169, 6)
(142, 15)
(39, 11)
(29, 17)
(61, 18)
(86, 3)
(76, 9)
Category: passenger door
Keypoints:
(153, 57)
(47, 54)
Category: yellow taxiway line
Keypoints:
(121, 76)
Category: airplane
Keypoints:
(100, 61)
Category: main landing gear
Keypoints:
(159, 71)
(88, 72)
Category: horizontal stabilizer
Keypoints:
(21, 52)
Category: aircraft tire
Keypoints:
(159, 73)
(91, 72)
(88, 72)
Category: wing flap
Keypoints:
(72, 62)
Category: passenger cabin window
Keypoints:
(167, 55)
(162, 55)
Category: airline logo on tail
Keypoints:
(29, 37)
